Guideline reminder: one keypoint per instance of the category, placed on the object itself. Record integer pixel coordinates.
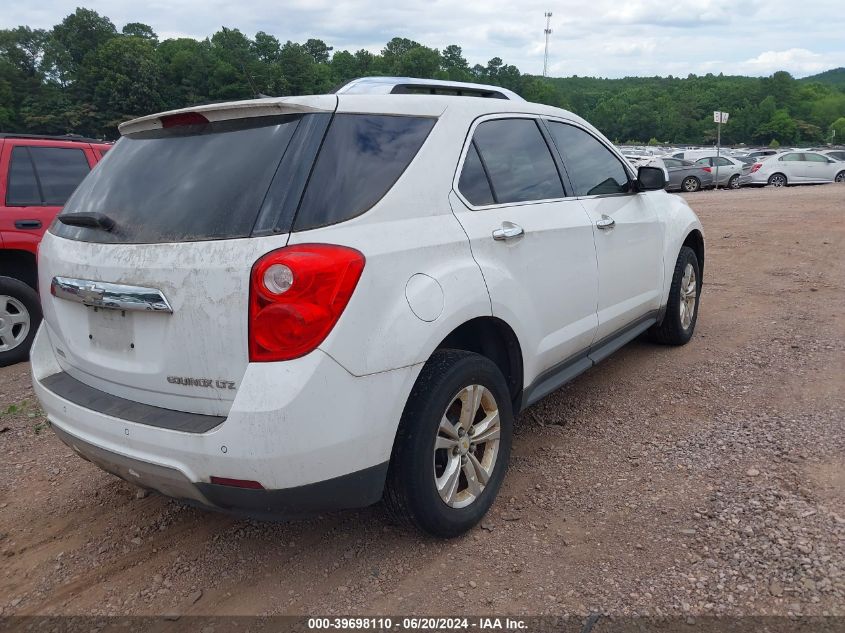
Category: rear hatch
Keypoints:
(145, 275)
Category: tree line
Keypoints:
(84, 76)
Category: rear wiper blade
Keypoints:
(89, 220)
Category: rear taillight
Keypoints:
(755, 167)
(296, 296)
(707, 169)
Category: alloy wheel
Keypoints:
(840, 177)
(14, 323)
(691, 184)
(467, 446)
(689, 295)
(777, 181)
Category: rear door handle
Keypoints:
(27, 224)
(606, 222)
(508, 231)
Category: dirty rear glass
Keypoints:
(186, 183)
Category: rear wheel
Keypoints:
(777, 180)
(733, 183)
(690, 184)
(840, 177)
(453, 445)
(682, 307)
(20, 315)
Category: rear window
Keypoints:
(233, 179)
(186, 183)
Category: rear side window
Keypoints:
(45, 176)
(792, 157)
(815, 158)
(593, 169)
(60, 170)
(22, 189)
(518, 161)
(362, 157)
(185, 183)
(473, 183)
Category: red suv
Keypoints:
(37, 174)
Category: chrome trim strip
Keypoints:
(101, 294)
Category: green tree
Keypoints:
(837, 130)
(318, 50)
(137, 29)
(80, 34)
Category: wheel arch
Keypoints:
(695, 240)
(20, 265)
(493, 338)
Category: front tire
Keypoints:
(453, 445)
(682, 307)
(777, 180)
(20, 316)
(691, 184)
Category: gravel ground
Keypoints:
(708, 479)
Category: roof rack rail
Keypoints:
(410, 85)
(53, 137)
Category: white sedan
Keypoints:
(794, 168)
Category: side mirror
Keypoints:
(650, 178)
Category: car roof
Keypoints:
(412, 85)
(53, 137)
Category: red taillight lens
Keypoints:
(186, 118)
(707, 169)
(296, 296)
(755, 167)
(237, 483)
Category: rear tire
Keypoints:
(840, 177)
(733, 183)
(691, 184)
(682, 307)
(778, 180)
(431, 445)
(20, 316)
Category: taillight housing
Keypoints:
(296, 297)
(755, 167)
(707, 169)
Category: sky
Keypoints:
(603, 38)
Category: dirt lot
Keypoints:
(701, 480)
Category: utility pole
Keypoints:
(547, 31)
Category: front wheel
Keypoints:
(453, 445)
(682, 307)
(20, 315)
(691, 184)
(777, 180)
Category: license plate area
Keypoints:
(111, 330)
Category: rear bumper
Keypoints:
(354, 490)
(313, 435)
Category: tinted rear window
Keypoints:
(60, 170)
(23, 187)
(186, 183)
(362, 157)
(45, 176)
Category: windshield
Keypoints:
(187, 183)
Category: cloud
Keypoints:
(798, 61)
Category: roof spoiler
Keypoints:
(272, 106)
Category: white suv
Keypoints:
(288, 305)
